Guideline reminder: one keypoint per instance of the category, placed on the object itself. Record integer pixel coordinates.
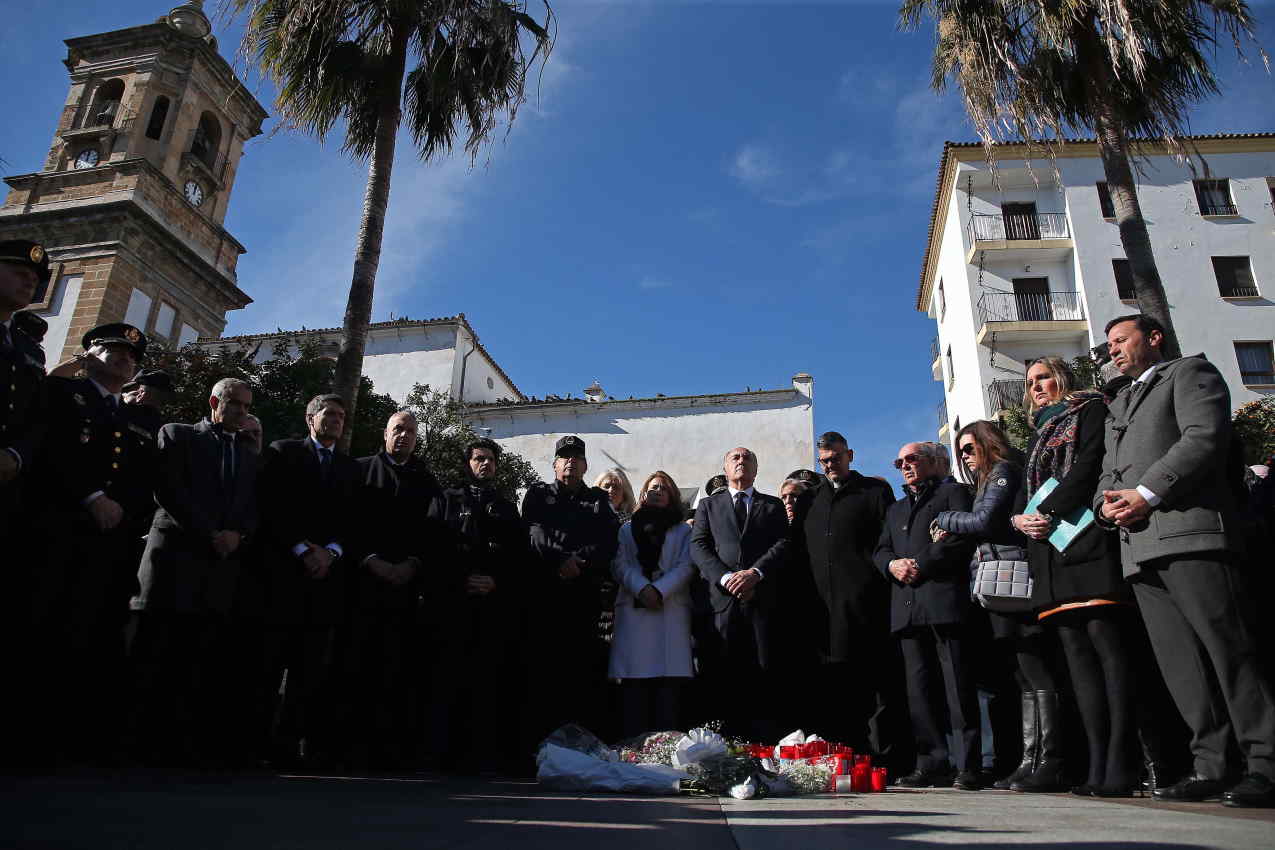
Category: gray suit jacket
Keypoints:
(1172, 436)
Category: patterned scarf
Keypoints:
(649, 527)
(1055, 447)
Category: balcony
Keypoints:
(936, 360)
(1037, 317)
(943, 426)
(1004, 395)
(1019, 236)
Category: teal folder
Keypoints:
(1067, 528)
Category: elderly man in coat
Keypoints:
(206, 492)
(1169, 492)
(929, 609)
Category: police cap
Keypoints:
(569, 446)
(24, 252)
(151, 378)
(117, 333)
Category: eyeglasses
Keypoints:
(968, 449)
(908, 460)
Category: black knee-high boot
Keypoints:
(1048, 775)
(1031, 744)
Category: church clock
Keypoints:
(86, 158)
(194, 193)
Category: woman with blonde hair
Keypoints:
(651, 649)
(1078, 590)
(617, 486)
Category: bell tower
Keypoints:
(134, 190)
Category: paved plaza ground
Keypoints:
(184, 812)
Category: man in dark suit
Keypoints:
(307, 495)
(404, 552)
(740, 545)
(835, 533)
(929, 608)
(1168, 490)
(574, 535)
(206, 492)
(95, 477)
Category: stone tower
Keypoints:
(133, 193)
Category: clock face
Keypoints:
(194, 193)
(87, 158)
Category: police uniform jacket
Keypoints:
(562, 523)
(400, 516)
(835, 534)
(491, 541)
(21, 395)
(941, 593)
(180, 571)
(300, 503)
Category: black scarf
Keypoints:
(650, 526)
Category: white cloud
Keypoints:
(754, 165)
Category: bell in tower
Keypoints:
(133, 193)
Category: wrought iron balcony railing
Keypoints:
(1029, 307)
(996, 228)
(1004, 395)
(942, 411)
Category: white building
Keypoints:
(1021, 264)
(686, 436)
(444, 353)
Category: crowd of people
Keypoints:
(189, 594)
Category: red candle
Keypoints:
(861, 779)
(787, 752)
(879, 778)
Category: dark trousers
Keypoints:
(651, 705)
(934, 658)
(1200, 629)
(379, 687)
(301, 721)
(742, 689)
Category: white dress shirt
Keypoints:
(748, 506)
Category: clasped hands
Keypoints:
(1035, 526)
(317, 561)
(396, 574)
(1124, 507)
(743, 584)
(571, 567)
(226, 542)
(905, 570)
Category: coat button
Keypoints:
(907, 602)
(115, 466)
(905, 528)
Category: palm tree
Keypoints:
(1128, 70)
(346, 62)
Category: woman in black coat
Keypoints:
(1080, 590)
(995, 469)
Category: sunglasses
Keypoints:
(908, 460)
(968, 449)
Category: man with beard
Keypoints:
(307, 496)
(206, 493)
(479, 664)
(404, 553)
(574, 536)
(96, 476)
(835, 533)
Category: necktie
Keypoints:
(325, 461)
(741, 510)
(228, 461)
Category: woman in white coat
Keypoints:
(651, 649)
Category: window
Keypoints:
(1104, 201)
(105, 104)
(1257, 365)
(1124, 279)
(139, 309)
(942, 301)
(1214, 197)
(207, 139)
(164, 320)
(951, 369)
(187, 336)
(159, 115)
(1234, 277)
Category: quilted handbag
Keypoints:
(1002, 585)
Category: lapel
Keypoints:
(1138, 392)
(209, 444)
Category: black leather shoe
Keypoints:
(1254, 792)
(1085, 790)
(1117, 791)
(1192, 789)
(926, 778)
(968, 780)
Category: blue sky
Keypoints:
(698, 197)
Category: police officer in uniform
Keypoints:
(478, 670)
(149, 391)
(574, 536)
(96, 477)
(23, 266)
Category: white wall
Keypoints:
(398, 358)
(61, 307)
(642, 436)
